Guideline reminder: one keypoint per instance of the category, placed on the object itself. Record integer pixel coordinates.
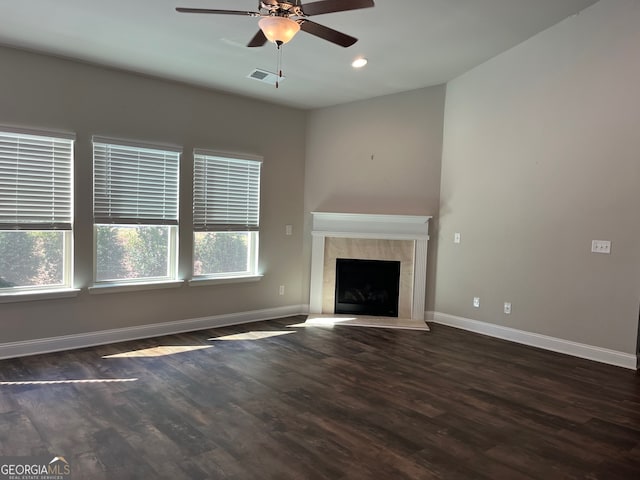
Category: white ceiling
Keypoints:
(409, 43)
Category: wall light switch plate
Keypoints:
(456, 237)
(600, 246)
(288, 229)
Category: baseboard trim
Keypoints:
(590, 352)
(92, 339)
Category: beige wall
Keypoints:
(378, 156)
(45, 92)
(541, 156)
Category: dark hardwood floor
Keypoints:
(319, 403)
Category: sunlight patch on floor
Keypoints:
(58, 382)
(159, 351)
(324, 321)
(255, 335)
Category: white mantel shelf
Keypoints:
(372, 226)
(364, 225)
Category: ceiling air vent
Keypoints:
(265, 77)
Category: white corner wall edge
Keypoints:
(92, 339)
(581, 350)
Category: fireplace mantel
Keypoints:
(376, 227)
(359, 225)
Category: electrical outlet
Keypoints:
(281, 290)
(456, 237)
(600, 246)
(476, 302)
(507, 308)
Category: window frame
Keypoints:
(126, 217)
(251, 227)
(57, 216)
(172, 258)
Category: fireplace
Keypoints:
(398, 238)
(367, 287)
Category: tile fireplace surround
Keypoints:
(369, 236)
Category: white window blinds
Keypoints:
(134, 183)
(35, 181)
(226, 193)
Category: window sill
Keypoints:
(204, 281)
(133, 287)
(31, 296)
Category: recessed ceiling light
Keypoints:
(359, 62)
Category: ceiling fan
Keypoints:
(281, 20)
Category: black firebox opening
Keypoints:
(367, 287)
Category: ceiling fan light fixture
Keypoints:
(359, 62)
(278, 30)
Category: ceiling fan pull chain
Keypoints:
(279, 63)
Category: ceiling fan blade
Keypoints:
(258, 40)
(330, 6)
(327, 33)
(220, 12)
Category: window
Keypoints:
(135, 208)
(226, 207)
(35, 210)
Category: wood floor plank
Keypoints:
(18, 436)
(273, 400)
